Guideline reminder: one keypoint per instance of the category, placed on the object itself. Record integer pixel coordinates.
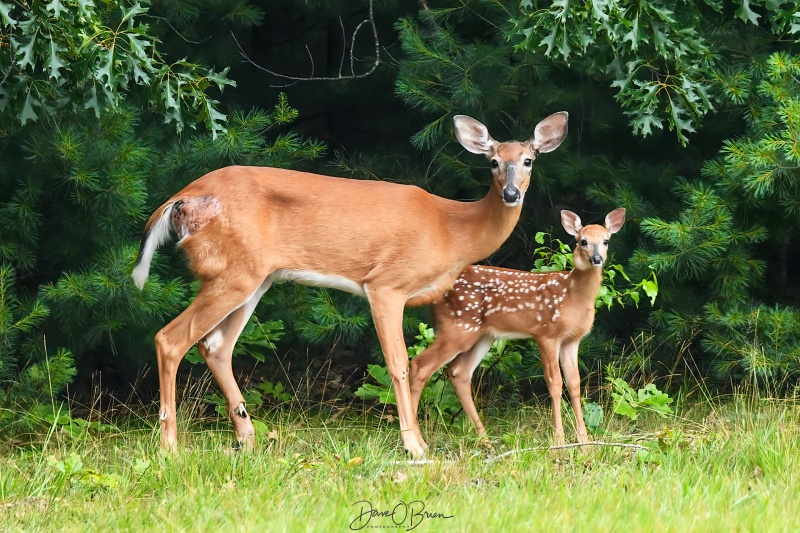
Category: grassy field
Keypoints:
(730, 464)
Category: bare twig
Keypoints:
(174, 29)
(352, 76)
(493, 459)
(420, 462)
(344, 45)
(567, 446)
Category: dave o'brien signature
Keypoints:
(408, 515)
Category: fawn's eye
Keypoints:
(605, 242)
(494, 163)
(584, 243)
(528, 162)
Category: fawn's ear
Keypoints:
(473, 135)
(615, 219)
(571, 222)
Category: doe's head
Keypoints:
(511, 162)
(592, 248)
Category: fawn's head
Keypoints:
(592, 248)
(511, 162)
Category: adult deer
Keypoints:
(243, 228)
(554, 308)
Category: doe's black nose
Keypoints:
(597, 260)
(510, 195)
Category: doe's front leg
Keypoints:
(387, 314)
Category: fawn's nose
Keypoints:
(597, 260)
(511, 195)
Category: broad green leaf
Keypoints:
(565, 48)
(86, 7)
(625, 409)
(138, 45)
(592, 416)
(257, 355)
(25, 50)
(106, 68)
(174, 115)
(644, 122)
(260, 427)
(635, 297)
(621, 270)
(649, 456)
(221, 79)
(663, 13)
(599, 8)
(27, 109)
(746, 14)
(550, 40)
(140, 467)
(214, 119)
(194, 357)
(56, 8)
(5, 15)
(73, 464)
(564, 11)
(368, 391)
(380, 374)
(55, 64)
(650, 289)
(135, 10)
(169, 99)
(90, 100)
(139, 75)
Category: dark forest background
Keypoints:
(687, 114)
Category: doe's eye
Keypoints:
(494, 163)
(528, 162)
(584, 243)
(605, 242)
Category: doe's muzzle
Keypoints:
(511, 195)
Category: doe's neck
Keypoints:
(486, 224)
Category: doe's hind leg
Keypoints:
(214, 302)
(217, 349)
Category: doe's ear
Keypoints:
(550, 132)
(615, 219)
(571, 222)
(473, 135)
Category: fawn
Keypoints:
(554, 308)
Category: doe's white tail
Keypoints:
(157, 234)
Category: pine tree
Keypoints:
(746, 197)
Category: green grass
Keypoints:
(727, 465)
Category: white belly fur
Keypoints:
(511, 335)
(318, 279)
